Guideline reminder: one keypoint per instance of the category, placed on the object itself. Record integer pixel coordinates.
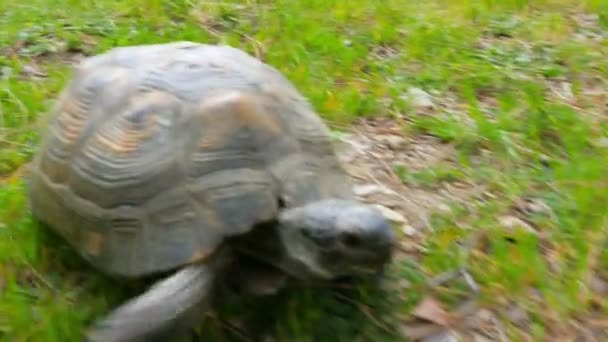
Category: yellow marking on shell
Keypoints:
(73, 116)
(212, 139)
(69, 105)
(71, 120)
(200, 255)
(211, 219)
(248, 113)
(94, 243)
(130, 136)
(242, 110)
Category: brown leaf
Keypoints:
(442, 336)
(598, 323)
(517, 315)
(417, 331)
(599, 285)
(391, 214)
(512, 224)
(367, 189)
(431, 310)
(409, 230)
(419, 98)
(392, 141)
(33, 71)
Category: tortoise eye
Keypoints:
(284, 202)
(281, 202)
(350, 240)
(321, 237)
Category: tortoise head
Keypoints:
(335, 238)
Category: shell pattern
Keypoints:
(156, 153)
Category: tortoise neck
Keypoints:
(261, 243)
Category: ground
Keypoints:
(478, 126)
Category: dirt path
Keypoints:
(371, 150)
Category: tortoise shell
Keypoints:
(155, 154)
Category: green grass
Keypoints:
(499, 61)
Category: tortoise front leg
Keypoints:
(248, 277)
(170, 307)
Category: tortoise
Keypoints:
(179, 159)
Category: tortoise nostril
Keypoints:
(281, 203)
(351, 240)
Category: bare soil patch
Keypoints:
(373, 148)
(370, 150)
